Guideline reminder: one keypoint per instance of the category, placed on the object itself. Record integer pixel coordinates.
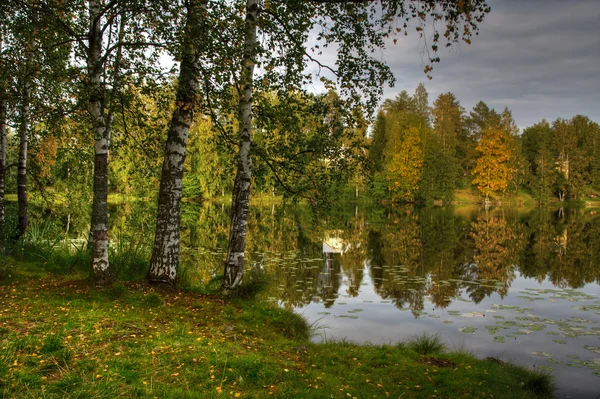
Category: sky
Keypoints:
(539, 58)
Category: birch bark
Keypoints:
(3, 116)
(99, 224)
(24, 127)
(164, 263)
(234, 264)
(23, 220)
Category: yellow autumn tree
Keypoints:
(406, 166)
(494, 170)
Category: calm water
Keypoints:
(518, 286)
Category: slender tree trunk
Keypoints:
(234, 265)
(165, 253)
(101, 272)
(3, 116)
(24, 127)
(23, 220)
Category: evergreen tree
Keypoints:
(545, 176)
(443, 167)
(378, 142)
(421, 104)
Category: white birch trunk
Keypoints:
(164, 263)
(99, 225)
(3, 116)
(23, 220)
(234, 264)
(27, 77)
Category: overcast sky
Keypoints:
(541, 58)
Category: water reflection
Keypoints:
(409, 254)
(522, 286)
(431, 253)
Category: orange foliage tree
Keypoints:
(493, 171)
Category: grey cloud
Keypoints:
(539, 58)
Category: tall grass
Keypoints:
(426, 344)
(46, 243)
(129, 255)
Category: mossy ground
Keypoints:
(61, 337)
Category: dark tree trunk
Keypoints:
(234, 264)
(164, 263)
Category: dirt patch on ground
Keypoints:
(437, 362)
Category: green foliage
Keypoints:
(563, 158)
(245, 347)
(440, 172)
(378, 142)
(540, 383)
(130, 255)
(426, 344)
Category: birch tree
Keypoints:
(101, 124)
(3, 118)
(165, 253)
(24, 43)
(25, 84)
(230, 53)
(234, 264)
(32, 73)
(114, 31)
(357, 32)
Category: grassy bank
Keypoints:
(471, 196)
(60, 337)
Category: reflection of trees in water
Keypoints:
(496, 242)
(443, 254)
(574, 262)
(413, 254)
(395, 260)
(565, 248)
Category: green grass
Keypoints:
(471, 196)
(62, 338)
(426, 344)
(467, 196)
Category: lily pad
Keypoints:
(473, 314)
(468, 330)
(541, 354)
(546, 368)
(595, 349)
(575, 365)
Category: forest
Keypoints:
(182, 182)
(92, 105)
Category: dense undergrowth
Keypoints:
(61, 337)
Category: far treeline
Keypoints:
(88, 106)
(424, 154)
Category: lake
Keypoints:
(520, 286)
